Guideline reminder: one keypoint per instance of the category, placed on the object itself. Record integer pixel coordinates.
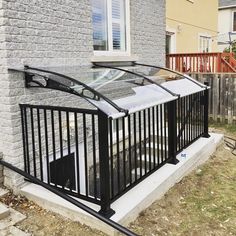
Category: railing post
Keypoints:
(172, 132)
(219, 66)
(206, 114)
(104, 165)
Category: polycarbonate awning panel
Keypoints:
(145, 97)
(183, 87)
(116, 91)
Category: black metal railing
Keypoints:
(86, 154)
(190, 119)
(60, 147)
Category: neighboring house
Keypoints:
(191, 26)
(63, 33)
(227, 23)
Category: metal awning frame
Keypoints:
(30, 74)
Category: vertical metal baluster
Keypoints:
(140, 142)
(111, 156)
(53, 144)
(149, 140)
(181, 122)
(27, 141)
(94, 158)
(178, 146)
(193, 117)
(145, 141)
(135, 147)
(197, 105)
(153, 138)
(23, 124)
(189, 115)
(46, 143)
(161, 114)
(60, 134)
(191, 104)
(181, 136)
(77, 152)
(130, 150)
(199, 114)
(33, 141)
(40, 145)
(85, 153)
(195, 114)
(185, 123)
(202, 116)
(158, 138)
(118, 154)
(124, 152)
(68, 131)
(165, 130)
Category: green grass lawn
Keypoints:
(203, 203)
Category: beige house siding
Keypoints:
(188, 19)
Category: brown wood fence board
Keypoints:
(222, 95)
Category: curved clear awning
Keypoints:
(117, 91)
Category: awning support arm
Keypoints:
(167, 69)
(139, 75)
(52, 84)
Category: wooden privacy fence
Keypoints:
(222, 95)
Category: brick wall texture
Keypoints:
(55, 33)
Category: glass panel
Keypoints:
(118, 25)
(158, 75)
(168, 44)
(100, 38)
(234, 22)
(204, 44)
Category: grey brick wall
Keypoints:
(54, 33)
(148, 30)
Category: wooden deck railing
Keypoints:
(202, 62)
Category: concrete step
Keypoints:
(3, 192)
(4, 211)
(13, 218)
(13, 231)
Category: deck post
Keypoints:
(104, 165)
(172, 132)
(206, 114)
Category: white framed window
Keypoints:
(204, 43)
(234, 21)
(111, 27)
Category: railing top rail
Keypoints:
(60, 108)
(200, 54)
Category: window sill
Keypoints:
(114, 59)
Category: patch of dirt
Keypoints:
(202, 203)
(40, 222)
